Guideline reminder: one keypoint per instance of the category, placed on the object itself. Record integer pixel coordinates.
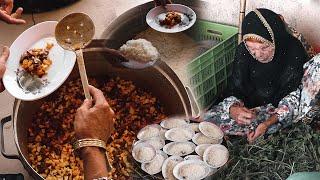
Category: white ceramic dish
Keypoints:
(168, 166)
(179, 134)
(156, 163)
(140, 152)
(200, 149)
(62, 61)
(149, 131)
(179, 148)
(191, 170)
(200, 138)
(188, 18)
(192, 157)
(216, 155)
(173, 122)
(156, 142)
(210, 130)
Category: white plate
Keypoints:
(156, 163)
(179, 148)
(210, 130)
(62, 61)
(149, 131)
(173, 122)
(168, 166)
(192, 157)
(179, 134)
(188, 17)
(190, 173)
(217, 152)
(141, 149)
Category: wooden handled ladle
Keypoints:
(74, 32)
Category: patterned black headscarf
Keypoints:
(259, 83)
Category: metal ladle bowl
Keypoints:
(74, 32)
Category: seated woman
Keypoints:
(268, 66)
(302, 104)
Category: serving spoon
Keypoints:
(74, 32)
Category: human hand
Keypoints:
(3, 59)
(94, 121)
(242, 115)
(6, 14)
(260, 131)
(162, 2)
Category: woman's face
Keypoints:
(263, 52)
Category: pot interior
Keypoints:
(97, 65)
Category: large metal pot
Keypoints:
(97, 64)
(133, 21)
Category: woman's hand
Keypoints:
(6, 14)
(3, 59)
(162, 2)
(260, 131)
(94, 119)
(242, 115)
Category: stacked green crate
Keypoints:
(208, 73)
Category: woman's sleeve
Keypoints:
(288, 107)
(221, 111)
(228, 102)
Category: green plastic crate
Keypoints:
(208, 73)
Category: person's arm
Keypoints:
(6, 14)
(271, 121)
(238, 88)
(94, 120)
(94, 161)
(284, 115)
(3, 59)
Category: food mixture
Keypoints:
(36, 61)
(172, 18)
(49, 137)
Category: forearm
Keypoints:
(271, 121)
(95, 165)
